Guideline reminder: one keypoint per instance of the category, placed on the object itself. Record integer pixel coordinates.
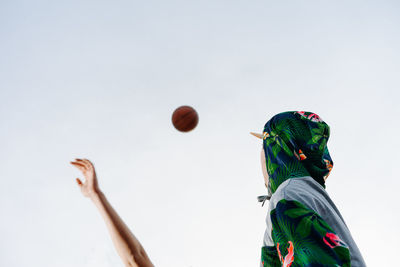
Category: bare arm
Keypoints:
(128, 247)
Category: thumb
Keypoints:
(79, 182)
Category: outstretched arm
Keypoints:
(128, 247)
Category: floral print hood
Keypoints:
(295, 145)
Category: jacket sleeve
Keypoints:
(269, 257)
(303, 238)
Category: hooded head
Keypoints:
(295, 145)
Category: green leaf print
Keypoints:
(294, 222)
(276, 149)
(271, 166)
(295, 213)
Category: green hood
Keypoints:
(295, 145)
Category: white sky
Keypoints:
(100, 79)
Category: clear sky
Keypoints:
(100, 79)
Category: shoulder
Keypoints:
(280, 193)
(304, 190)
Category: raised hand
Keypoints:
(127, 245)
(90, 187)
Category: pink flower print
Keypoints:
(289, 258)
(312, 117)
(300, 155)
(329, 166)
(333, 240)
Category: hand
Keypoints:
(90, 187)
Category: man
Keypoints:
(304, 227)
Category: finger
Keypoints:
(85, 162)
(79, 182)
(77, 163)
(80, 166)
(80, 161)
(89, 163)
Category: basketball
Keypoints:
(185, 118)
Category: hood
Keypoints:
(295, 145)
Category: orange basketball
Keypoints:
(185, 118)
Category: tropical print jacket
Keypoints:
(304, 227)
